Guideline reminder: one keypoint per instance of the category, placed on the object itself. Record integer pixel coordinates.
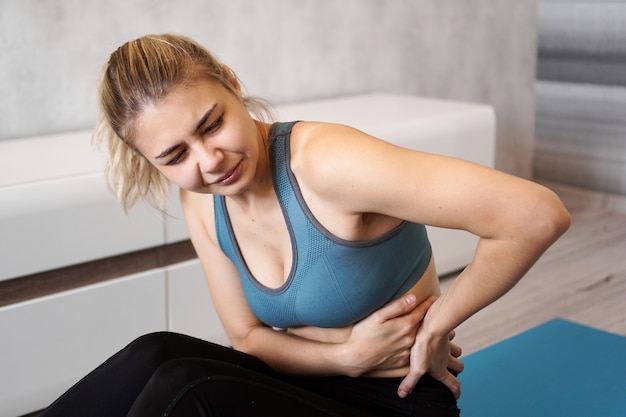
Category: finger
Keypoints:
(455, 365)
(408, 383)
(455, 350)
(452, 383)
(420, 311)
(451, 335)
(397, 308)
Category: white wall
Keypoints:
(284, 50)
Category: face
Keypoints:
(202, 138)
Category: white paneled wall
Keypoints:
(56, 210)
(64, 221)
(191, 309)
(48, 343)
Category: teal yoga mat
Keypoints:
(558, 369)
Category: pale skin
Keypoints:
(202, 139)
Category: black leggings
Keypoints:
(172, 375)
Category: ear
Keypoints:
(232, 79)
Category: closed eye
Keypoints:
(214, 126)
(179, 156)
(182, 153)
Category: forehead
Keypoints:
(190, 94)
(176, 115)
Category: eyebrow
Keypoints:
(204, 118)
(167, 152)
(201, 122)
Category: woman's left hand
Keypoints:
(436, 356)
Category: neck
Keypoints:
(261, 192)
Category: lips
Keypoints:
(230, 176)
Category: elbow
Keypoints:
(565, 221)
(242, 344)
(238, 345)
(245, 341)
(551, 218)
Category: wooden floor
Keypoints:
(581, 278)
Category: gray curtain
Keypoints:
(581, 94)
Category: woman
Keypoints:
(312, 241)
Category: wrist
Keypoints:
(346, 361)
(433, 327)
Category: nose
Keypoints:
(209, 159)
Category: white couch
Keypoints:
(55, 212)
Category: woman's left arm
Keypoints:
(516, 221)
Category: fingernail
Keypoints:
(410, 299)
(402, 393)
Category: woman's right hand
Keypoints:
(381, 342)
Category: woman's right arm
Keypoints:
(380, 342)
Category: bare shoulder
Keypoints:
(195, 203)
(321, 135)
(318, 149)
(328, 157)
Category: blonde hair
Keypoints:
(139, 74)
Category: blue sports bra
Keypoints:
(332, 282)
